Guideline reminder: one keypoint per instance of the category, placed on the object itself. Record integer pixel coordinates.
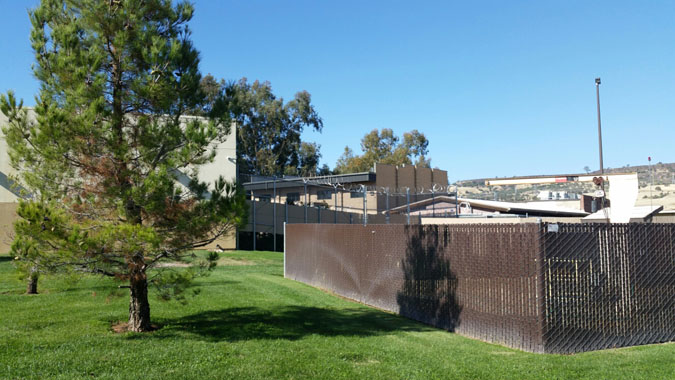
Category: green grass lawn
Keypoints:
(248, 322)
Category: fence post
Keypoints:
(274, 215)
(407, 203)
(254, 202)
(335, 194)
(387, 206)
(456, 201)
(305, 181)
(365, 213)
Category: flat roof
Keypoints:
(280, 183)
(534, 208)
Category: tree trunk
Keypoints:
(31, 287)
(139, 307)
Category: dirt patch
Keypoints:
(122, 327)
(234, 262)
(173, 264)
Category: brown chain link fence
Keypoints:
(558, 288)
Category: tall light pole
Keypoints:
(597, 93)
(602, 167)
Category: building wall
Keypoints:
(398, 178)
(394, 178)
(7, 218)
(6, 169)
(221, 166)
(345, 201)
(666, 218)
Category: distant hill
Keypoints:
(663, 186)
(663, 174)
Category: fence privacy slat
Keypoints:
(583, 287)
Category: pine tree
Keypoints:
(110, 136)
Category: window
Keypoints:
(324, 194)
(264, 197)
(291, 198)
(356, 194)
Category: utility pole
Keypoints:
(597, 93)
(602, 166)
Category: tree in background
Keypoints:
(385, 148)
(109, 140)
(269, 129)
(307, 164)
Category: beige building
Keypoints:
(346, 191)
(223, 165)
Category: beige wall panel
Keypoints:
(406, 177)
(424, 179)
(440, 177)
(385, 176)
(664, 219)
(7, 218)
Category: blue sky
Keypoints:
(499, 88)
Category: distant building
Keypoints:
(548, 195)
(345, 191)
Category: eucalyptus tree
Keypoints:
(385, 147)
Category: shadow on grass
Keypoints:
(4, 258)
(290, 322)
(219, 283)
(103, 289)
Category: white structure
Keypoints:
(622, 195)
(548, 195)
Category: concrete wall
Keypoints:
(6, 171)
(7, 218)
(666, 218)
(221, 166)
(418, 180)
(224, 163)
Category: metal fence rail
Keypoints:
(541, 288)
